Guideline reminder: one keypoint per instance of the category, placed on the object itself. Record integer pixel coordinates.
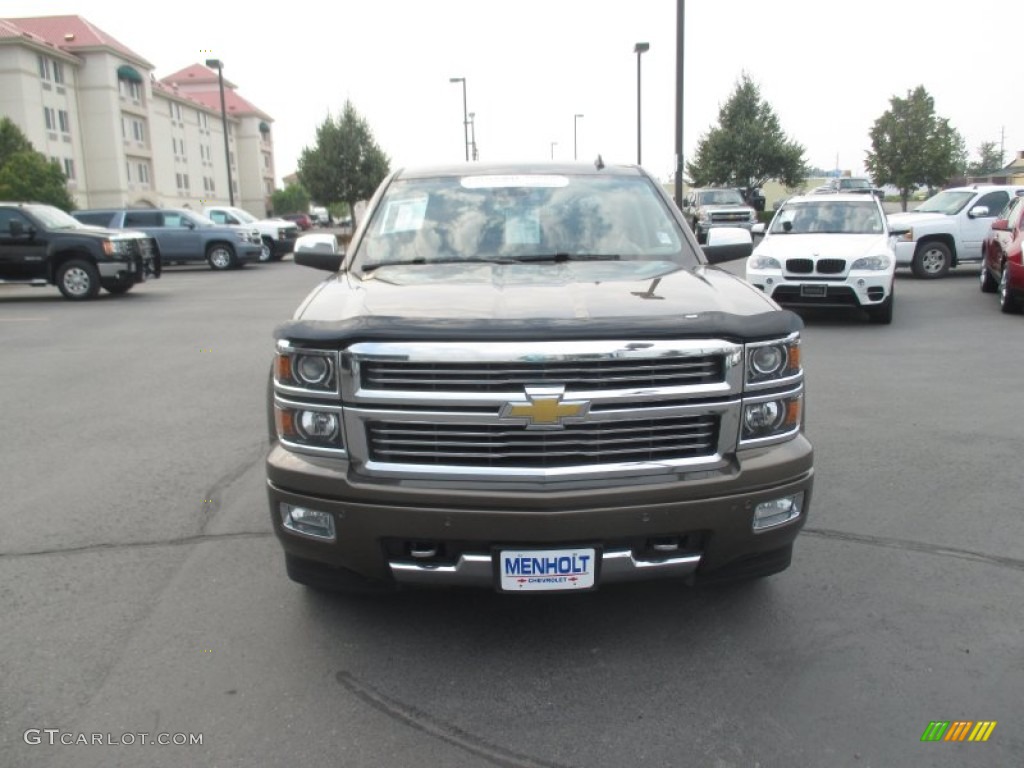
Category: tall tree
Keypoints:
(292, 199)
(345, 165)
(990, 159)
(26, 174)
(912, 146)
(748, 146)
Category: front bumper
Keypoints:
(858, 289)
(285, 245)
(709, 516)
(248, 252)
(704, 226)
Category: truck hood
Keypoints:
(537, 301)
(847, 247)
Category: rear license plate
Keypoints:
(546, 570)
(813, 290)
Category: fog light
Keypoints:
(308, 522)
(769, 514)
(318, 425)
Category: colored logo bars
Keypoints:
(958, 730)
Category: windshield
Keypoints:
(948, 202)
(854, 184)
(720, 197)
(520, 218)
(53, 218)
(241, 215)
(829, 217)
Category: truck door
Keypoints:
(181, 231)
(22, 247)
(974, 229)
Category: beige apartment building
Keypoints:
(123, 137)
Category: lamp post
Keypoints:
(465, 115)
(575, 121)
(639, 49)
(219, 65)
(472, 135)
(553, 145)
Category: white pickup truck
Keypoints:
(947, 229)
(278, 235)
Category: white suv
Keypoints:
(827, 251)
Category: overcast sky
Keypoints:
(827, 68)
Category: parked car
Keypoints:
(304, 220)
(41, 245)
(947, 229)
(278, 234)
(184, 236)
(708, 208)
(529, 378)
(1002, 269)
(828, 251)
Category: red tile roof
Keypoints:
(70, 33)
(200, 84)
(197, 74)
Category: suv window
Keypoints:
(7, 215)
(95, 219)
(721, 197)
(176, 220)
(143, 219)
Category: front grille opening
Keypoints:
(831, 266)
(876, 292)
(574, 375)
(496, 446)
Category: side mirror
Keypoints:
(727, 244)
(899, 231)
(17, 228)
(758, 229)
(978, 212)
(1001, 224)
(319, 251)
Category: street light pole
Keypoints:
(575, 120)
(680, 41)
(224, 121)
(472, 135)
(465, 114)
(553, 145)
(639, 49)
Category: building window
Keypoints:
(44, 66)
(65, 121)
(175, 111)
(139, 131)
(266, 161)
(129, 89)
(202, 119)
(182, 179)
(58, 73)
(69, 168)
(128, 171)
(143, 173)
(50, 116)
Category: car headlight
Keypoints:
(772, 361)
(769, 419)
(317, 428)
(306, 369)
(242, 236)
(763, 262)
(871, 263)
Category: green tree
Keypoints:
(345, 165)
(990, 158)
(12, 140)
(748, 146)
(292, 199)
(26, 174)
(912, 146)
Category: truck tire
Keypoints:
(1008, 303)
(118, 287)
(267, 250)
(78, 280)
(220, 257)
(931, 260)
(988, 283)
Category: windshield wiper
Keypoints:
(560, 257)
(431, 262)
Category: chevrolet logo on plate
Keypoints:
(544, 408)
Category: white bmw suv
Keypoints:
(828, 251)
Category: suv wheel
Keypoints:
(988, 283)
(266, 250)
(78, 280)
(220, 257)
(932, 260)
(1008, 303)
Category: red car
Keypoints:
(1002, 268)
(302, 219)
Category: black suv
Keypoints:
(183, 235)
(41, 245)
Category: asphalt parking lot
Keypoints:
(142, 591)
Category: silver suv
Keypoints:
(705, 209)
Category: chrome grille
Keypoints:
(574, 375)
(731, 216)
(505, 447)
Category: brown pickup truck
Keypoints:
(529, 378)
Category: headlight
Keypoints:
(772, 419)
(871, 262)
(763, 262)
(313, 428)
(243, 236)
(771, 361)
(312, 370)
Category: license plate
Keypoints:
(546, 570)
(813, 290)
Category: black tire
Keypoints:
(220, 257)
(881, 314)
(932, 260)
(267, 250)
(749, 569)
(78, 280)
(1008, 303)
(119, 287)
(324, 578)
(988, 283)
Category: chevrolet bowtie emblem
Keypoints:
(544, 408)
